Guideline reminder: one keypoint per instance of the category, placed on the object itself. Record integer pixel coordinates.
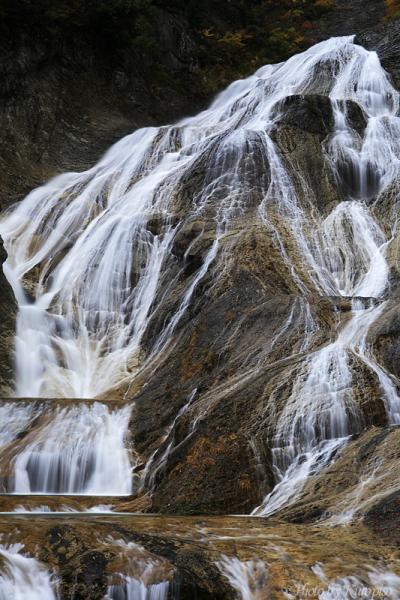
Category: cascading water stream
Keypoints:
(23, 577)
(14, 417)
(146, 577)
(374, 584)
(248, 578)
(132, 589)
(321, 413)
(91, 256)
(349, 251)
(81, 450)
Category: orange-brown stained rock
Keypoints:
(84, 553)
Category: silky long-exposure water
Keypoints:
(94, 259)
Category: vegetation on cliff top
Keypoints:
(393, 9)
(230, 39)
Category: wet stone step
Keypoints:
(349, 303)
(127, 557)
(25, 503)
(66, 447)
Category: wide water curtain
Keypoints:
(78, 450)
(94, 258)
(84, 259)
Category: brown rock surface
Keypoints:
(83, 553)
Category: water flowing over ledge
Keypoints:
(24, 577)
(80, 449)
(105, 267)
(223, 557)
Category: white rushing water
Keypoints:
(81, 450)
(247, 578)
(85, 261)
(63, 509)
(132, 589)
(146, 576)
(14, 418)
(23, 577)
(91, 259)
(347, 258)
(375, 583)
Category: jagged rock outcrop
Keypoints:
(8, 309)
(384, 39)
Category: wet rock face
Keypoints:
(82, 567)
(8, 310)
(384, 39)
(384, 518)
(229, 359)
(203, 558)
(312, 114)
(222, 332)
(360, 485)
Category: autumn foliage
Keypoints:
(255, 33)
(393, 8)
(231, 39)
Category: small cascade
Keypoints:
(158, 459)
(249, 579)
(321, 413)
(43, 508)
(353, 502)
(132, 589)
(81, 450)
(23, 577)
(345, 589)
(145, 577)
(373, 583)
(386, 582)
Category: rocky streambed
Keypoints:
(206, 557)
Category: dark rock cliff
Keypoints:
(65, 100)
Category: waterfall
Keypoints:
(81, 450)
(93, 259)
(247, 578)
(132, 589)
(146, 576)
(23, 577)
(89, 253)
